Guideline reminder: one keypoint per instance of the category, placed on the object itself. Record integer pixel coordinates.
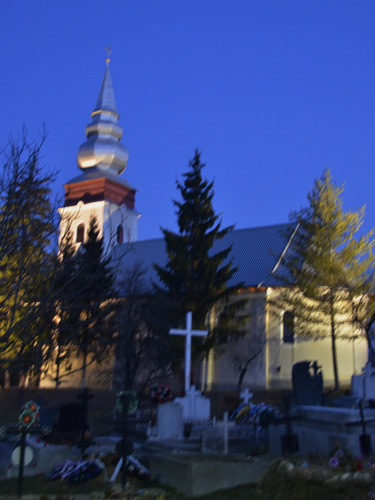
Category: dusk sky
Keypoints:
(270, 91)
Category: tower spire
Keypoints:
(102, 149)
(106, 98)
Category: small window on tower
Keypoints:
(80, 233)
(288, 327)
(120, 234)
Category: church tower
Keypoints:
(99, 190)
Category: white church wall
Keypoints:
(109, 216)
(72, 217)
(351, 355)
(224, 369)
(98, 376)
(114, 216)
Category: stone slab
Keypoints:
(195, 476)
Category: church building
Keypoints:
(100, 190)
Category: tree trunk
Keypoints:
(84, 363)
(58, 361)
(333, 343)
(241, 376)
(124, 450)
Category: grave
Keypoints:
(321, 429)
(44, 457)
(193, 407)
(204, 462)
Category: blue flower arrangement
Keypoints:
(260, 414)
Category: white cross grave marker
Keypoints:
(188, 332)
(246, 395)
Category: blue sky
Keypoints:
(270, 91)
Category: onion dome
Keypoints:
(103, 149)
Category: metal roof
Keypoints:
(256, 252)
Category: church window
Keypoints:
(120, 234)
(288, 327)
(80, 236)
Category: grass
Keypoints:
(275, 486)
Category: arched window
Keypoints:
(120, 234)
(80, 236)
(288, 327)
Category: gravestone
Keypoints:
(170, 421)
(307, 380)
(49, 416)
(71, 417)
(215, 441)
(363, 385)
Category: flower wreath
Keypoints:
(161, 393)
(30, 414)
(130, 397)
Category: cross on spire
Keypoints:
(109, 52)
(188, 332)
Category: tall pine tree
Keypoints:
(328, 269)
(195, 274)
(94, 282)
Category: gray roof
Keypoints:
(256, 252)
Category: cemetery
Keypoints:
(177, 445)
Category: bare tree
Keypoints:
(245, 352)
(142, 347)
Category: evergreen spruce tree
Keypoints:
(94, 279)
(195, 276)
(328, 270)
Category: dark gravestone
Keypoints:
(71, 417)
(49, 416)
(307, 383)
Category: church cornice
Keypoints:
(101, 189)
